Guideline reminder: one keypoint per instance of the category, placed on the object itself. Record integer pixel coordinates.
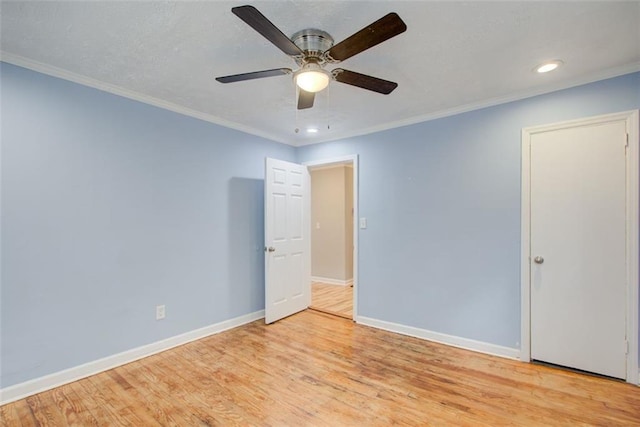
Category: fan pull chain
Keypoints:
(295, 107)
(328, 107)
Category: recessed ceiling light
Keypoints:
(548, 66)
(312, 130)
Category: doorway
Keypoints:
(580, 245)
(333, 236)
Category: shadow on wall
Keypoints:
(246, 245)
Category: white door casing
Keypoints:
(287, 243)
(580, 214)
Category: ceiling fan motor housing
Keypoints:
(313, 43)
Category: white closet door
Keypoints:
(578, 248)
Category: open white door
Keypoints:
(287, 243)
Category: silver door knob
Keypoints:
(538, 260)
(271, 249)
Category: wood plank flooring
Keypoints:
(312, 369)
(332, 299)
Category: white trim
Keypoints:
(633, 245)
(525, 250)
(454, 341)
(50, 70)
(582, 80)
(332, 166)
(633, 252)
(38, 385)
(60, 73)
(351, 159)
(330, 281)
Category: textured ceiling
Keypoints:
(454, 56)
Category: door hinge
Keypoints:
(626, 144)
(626, 347)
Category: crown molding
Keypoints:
(117, 90)
(591, 78)
(60, 73)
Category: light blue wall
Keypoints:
(442, 200)
(111, 207)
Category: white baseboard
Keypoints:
(38, 385)
(330, 281)
(465, 343)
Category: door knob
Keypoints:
(271, 249)
(538, 260)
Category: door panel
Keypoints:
(287, 254)
(578, 228)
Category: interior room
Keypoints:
(151, 151)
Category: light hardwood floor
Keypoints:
(312, 369)
(332, 299)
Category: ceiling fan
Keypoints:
(313, 49)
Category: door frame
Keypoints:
(632, 253)
(351, 159)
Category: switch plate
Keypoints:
(160, 312)
(363, 223)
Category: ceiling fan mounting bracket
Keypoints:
(313, 43)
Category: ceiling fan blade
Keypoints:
(261, 24)
(305, 99)
(383, 29)
(254, 75)
(362, 80)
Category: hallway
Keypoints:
(332, 299)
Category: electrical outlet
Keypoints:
(160, 312)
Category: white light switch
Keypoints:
(317, 226)
(363, 222)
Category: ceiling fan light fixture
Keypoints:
(312, 78)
